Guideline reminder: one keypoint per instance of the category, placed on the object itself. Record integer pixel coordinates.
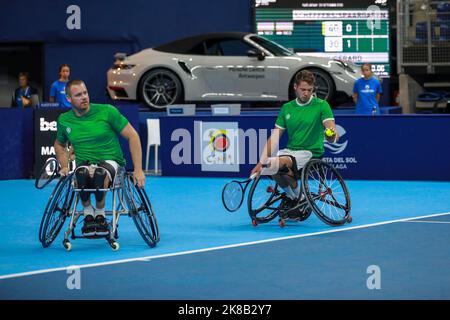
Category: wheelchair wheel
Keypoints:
(263, 201)
(326, 192)
(56, 211)
(141, 212)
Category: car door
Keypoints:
(229, 73)
(256, 77)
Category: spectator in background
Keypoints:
(58, 89)
(22, 96)
(367, 92)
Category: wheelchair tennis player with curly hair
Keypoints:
(296, 182)
(93, 130)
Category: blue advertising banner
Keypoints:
(28, 135)
(391, 147)
(16, 139)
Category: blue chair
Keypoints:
(422, 31)
(430, 102)
(446, 97)
(443, 12)
(445, 32)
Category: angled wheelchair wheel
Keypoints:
(264, 199)
(56, 211)
(141, 212)
(326, 192)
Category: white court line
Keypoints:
(149, 258)
(425, 221)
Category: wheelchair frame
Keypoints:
(305, 204)
(123, 202)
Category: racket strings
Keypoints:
(47, 173)
(233, 195)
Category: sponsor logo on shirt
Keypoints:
(367, 89)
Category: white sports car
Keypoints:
(223, 67)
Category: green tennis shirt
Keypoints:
(94, 135)
(304, 124)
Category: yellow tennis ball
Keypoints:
(329, 132)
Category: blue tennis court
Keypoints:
(399, 228)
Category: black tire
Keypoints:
(141, 212)
(263, 203)
(322, 184)
(56, 211)
(325, 87)
(159, 88)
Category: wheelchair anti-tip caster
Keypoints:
(114, 245)
(254, 223)
(349, 219)
(282, 223)
(67, 245)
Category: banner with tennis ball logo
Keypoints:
(219, 146)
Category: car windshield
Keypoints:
(272, 47)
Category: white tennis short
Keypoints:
(301, 156)
(111, 170)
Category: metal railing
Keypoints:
(423, 33)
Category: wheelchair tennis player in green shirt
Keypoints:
(93, 130)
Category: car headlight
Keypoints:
(346, 66)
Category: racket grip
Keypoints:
(254, 175)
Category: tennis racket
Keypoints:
(48, 172)
(233, 193)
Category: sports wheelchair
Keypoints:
(127, 199)
(322, 191)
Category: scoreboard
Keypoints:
(356, 30)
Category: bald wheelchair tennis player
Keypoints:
(93, 130)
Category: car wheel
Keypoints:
(325, 88)
(159, 88)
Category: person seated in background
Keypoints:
(22, 96)
(367, 92)
(58, 88)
